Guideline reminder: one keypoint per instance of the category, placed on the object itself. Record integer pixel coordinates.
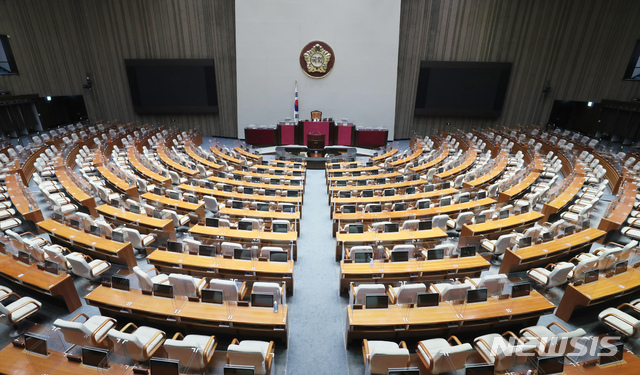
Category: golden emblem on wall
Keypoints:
(316, 59)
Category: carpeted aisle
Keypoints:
(316, 330)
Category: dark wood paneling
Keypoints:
(56, 43)
(581, 47)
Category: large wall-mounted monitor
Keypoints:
(172, 85)
(462, 88)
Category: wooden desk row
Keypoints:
(248, 155)
(174, 165)
(191, 317)
(220, 267)
(563, 199)
(399, 322)
(345, 240)
(410, 198)
(143, 223)
(116, 182)
(434, 162)
(620, 208)
(23, 204)
(292, 217)
(468, 161)
(60, 286)
(605, 289)
(177, 205)
(96, 247)
(539, 255)
(79, 195)
(381, 157)
(136, 164)
(224, 195)
(334, 189)
(492, 175)
(492, 229)
(413, 271)
(256, 185)
(207, 235)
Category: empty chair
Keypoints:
(210, 203)
(138, 345)
(496, 349)
(178, 220)
(552, 275)
(17, 311)
(351, 253)
(230, 289)
(281, 226)
(138, 241)
(499, 246)
(410, 224)
(549, 342)
(90, 270)
(450, 292)
(145, 282)
(186, 285)
(606, 257)
(620, 321)
(255, 224)
(228, 248)
(583, 266)
(440, 221)
(56, 253)
(91, 332)
(380, 356)
(192, 351)
(258, 354)
(439, 355)
(406, 293)
(462, 219)
(493, 283)
(277, 290)
(359, 293)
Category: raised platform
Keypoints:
(316, 158)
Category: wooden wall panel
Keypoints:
(56, 43)
(581, 47)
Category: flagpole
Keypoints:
(296, 116)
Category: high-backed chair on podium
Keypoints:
(316, 115)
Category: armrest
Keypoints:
(426, 352)
(486, 344)
(455, 339)
(233, 342)
(392, 294)
(153, 269)
(86, 317)
(557, 325)
(509, 333)
(146, 349)
(242, 291)
(95, 332)
(365, 351)
(130, 324)
(177, 336)
(471, 281)
(552, 265)
(209, 349)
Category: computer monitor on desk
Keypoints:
(410, 190)
(524, 242)
(363, 257)
(480, 369)
(375, 208)
(435, 254)
(467, 251)
(163, 290)
(262, 300)
(95, 357)
(400, 256)
(344, 194)
(120, 283)
(244, 254)
(245, 225)
(36, 344)
(163, 366)
(391, 227)
(207, 250)
(425, 225)
(278, 256)
(51, 267)
(356, 228)
(404, 371)
(520, 289)
(377, 301)
(477, 295)
(264, 207)
(292, 193)
(445, 202)
(238, 370)
(211, 222)
(215, 296)
(227, 188)
(551, 365)
(427, 299)
(24, 257)
(362, 183)
(348, 208)
(367, 193)
(96, 230)
(174, 246)
(117, 236)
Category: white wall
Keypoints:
(364, 36)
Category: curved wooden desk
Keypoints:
(548, 252)
(399, 322)
(143, 223)
(177, 205)
(402, 236)
(220, 267)
(209, 234)
(96, 247)
(492, 229)
(413, 271)
(60, 286)
(191, 316)
(28, 209)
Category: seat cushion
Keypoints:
(29, 306)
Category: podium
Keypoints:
(316, 141)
